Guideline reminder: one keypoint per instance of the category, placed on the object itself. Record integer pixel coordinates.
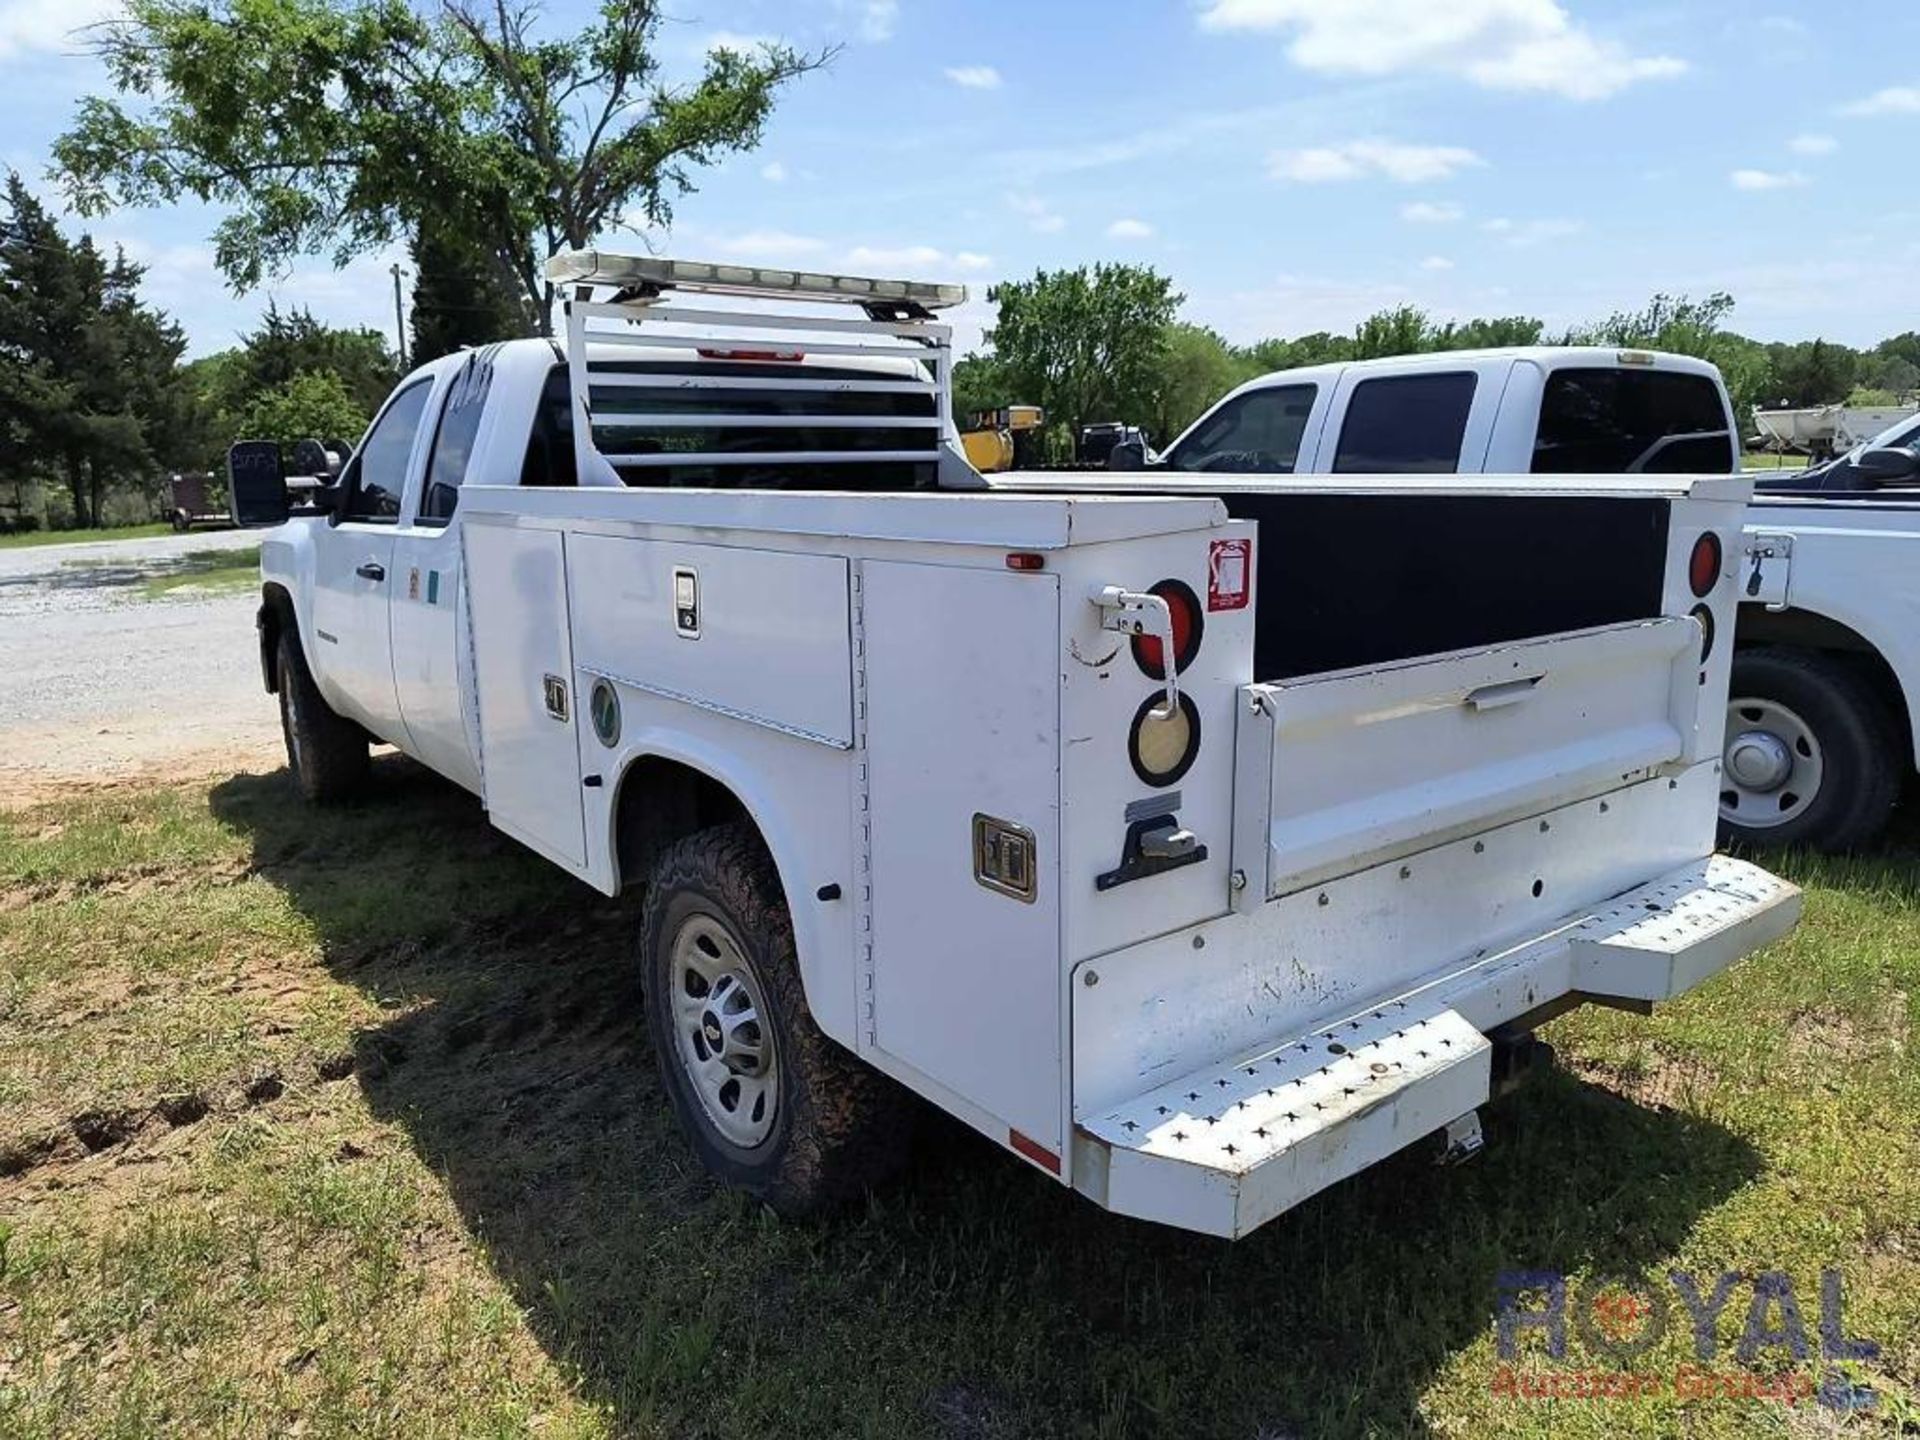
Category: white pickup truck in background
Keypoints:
(1537, 409)
(1199, 861)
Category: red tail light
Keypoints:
(1703, 566)
(716, 352)
(1188, 622)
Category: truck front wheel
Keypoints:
(326, 752)
(769, 1103)
(1812, 753)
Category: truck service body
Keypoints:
(1198, 938)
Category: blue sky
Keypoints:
(1293, 164)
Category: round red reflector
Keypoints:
(1188, 622)
(1703, 566)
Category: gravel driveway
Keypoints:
(99, 681)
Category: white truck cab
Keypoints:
(1198, 849)
(1524, 410)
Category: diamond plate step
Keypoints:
(1654, 942)
(1269, 1130)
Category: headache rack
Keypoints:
(753, 394)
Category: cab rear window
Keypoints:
(1604, 421)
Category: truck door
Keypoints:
(353, 563)
(426, 599)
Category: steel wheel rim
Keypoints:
(721, 1036)
(1772, 766)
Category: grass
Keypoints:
(199, 570)
(30, 538)
(343, 1123)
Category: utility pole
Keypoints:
(399, 318)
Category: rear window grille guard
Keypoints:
(653, 397)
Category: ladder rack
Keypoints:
(655, 305)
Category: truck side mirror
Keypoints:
(1128, 455)
(256, 484)
(1889, 465)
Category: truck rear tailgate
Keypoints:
(1358, 767)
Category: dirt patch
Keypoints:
(1660, 1081)
(131, 754)
(1825, 1035)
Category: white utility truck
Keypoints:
(1200, 862)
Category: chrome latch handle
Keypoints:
(1132, 612)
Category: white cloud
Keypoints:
(1522, 234)
(1894, 100)
(1781, 25)
(736, 40)
(1813, 145)
(773, 170)
(877, 19)
(1766, 179)
(1408, 164)
(772, 245)
(37, 25)
(974, 77)
(1040, 215)
(1129, 230)
(1499, 44)
(1436, 263)
(1431, 212)
(919, 259)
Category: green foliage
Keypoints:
(338, 126)
(292, 346)
(1813, 372)
(1087, 345)
(312, 405)
(461, 296)
(90, 387)
(1198, 367)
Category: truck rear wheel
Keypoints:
(326, 752)
(1812, 753)
(769, 1103)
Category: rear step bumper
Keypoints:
(1229, 1146)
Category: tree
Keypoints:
(289, 344)
(1196, 369)
(89, 378)
(1811, 373)
(1400, 331)
(1086, 345)
(462, 295)
(313, 405)
(1494, 334)
(340, 126)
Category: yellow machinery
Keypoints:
(1002, 439)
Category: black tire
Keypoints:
(1857, 739)
(838, 1126)
(326, 752)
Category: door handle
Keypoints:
(372, 570)
(1509, 692)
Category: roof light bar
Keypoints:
(602, 267)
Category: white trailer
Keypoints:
(1195, 870)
